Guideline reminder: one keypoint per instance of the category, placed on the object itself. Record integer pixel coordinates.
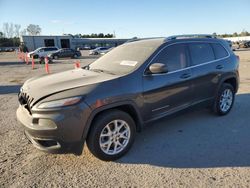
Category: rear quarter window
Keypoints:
(201, 53)
(219, 51)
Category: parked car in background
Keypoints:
(63, 53)
(229, 43)
(98, 50)
(244, 44)
(42, 52)
(161, 76)
(9, 49)
(106, 51)
(84, 48)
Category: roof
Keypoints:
(148, 41)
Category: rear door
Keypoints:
(172, 91)
(47, 51)
(206, 68)
(70, 53)
(63, 53)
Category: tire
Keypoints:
(41, 60)
(55, 57)
(75, 56)
(35, 56)
(125, 126)
(228, 92)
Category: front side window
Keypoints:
(174, 57)
(47, 49)
(201, 53)
(41, 50)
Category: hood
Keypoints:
(31, 53)
(43, 86)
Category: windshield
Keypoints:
(126, 58)
(38, 49)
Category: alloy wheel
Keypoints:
(114, 137)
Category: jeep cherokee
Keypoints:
(106, 102)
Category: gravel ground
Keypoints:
(195, 149)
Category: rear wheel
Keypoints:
(111, 135)
(224, 100)
(75, 56)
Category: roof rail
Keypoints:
(139, 39)
(190, 36)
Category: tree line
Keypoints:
(93, 35)
(10, 34)
(235, 34)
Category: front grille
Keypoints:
(25, 100)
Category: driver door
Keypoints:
(172, 91)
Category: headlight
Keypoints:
(60, 103)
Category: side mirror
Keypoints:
(158, 68)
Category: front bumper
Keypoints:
(55, 131)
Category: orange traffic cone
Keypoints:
(33, 63)
(26, 58)
(47, 65)
(23, 57)
(77, 64)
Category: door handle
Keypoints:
(219, 67)
(185, 75)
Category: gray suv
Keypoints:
(108, 101)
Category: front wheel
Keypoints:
(111, 135)
(224, 100)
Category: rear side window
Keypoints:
(50, 49)
(219, 51)
(174, 57)
(201, 53)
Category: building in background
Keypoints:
(68, 41)
(238, 39)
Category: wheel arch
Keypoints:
(126, 106)
(232, 80)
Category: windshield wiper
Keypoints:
(102, 71)
(86, 67)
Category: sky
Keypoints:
(129, 18)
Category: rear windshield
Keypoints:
(125, 58)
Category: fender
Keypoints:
(226, 77)
(111, 106)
